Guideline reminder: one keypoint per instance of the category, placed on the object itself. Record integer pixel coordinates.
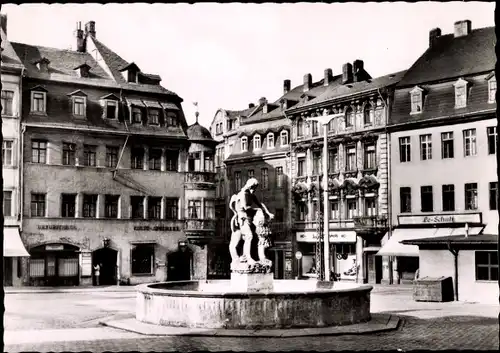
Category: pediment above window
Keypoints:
(110, 97)
(78, 92)
(39, 88)
(417, 89)
(460, 82)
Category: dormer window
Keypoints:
(284, 138)
(172, 119)
(492, 90)
(460, 93)
(244, 144)
(136, 116)
(256, 142)
(79, 103)
(416, 100)
(43, 64)
(153, 116)
(270, 140)
(38, 100)
(264, 109)
(111, 109)
(284, 104)
(130, 73)
(82, 70)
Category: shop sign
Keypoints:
(56, 227)
(342, 237)
(86, 264)
(440, 218)
(307, 237)
(54, 247)
(157, 228)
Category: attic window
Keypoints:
(42, 64)
(270, 140)
(256, 142)
(79, 105)
(111, 109)
(460, 93)
(38, 100)
(154, 116)
(265, 109)
(416, 100)
(172, 119)
(284, 138)
(244, 144)
(131, 76)
(136, 116)
(492, 90)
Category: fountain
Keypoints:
(252, 299)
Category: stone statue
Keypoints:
(246, 223)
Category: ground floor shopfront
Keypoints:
(66, 252)
(14, 251)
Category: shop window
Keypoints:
(69, 153)
(89, 155)
(36, 268)
(111, 156)
(237, 180)
(137, 158)
(494, 195)
(426, 199)
(7, 203)
(447, 145)
(405, 199)
(67, 267)
(68, 205)
(7, 103)
(284, 138)
(265, 178)
(404, 149)
(470, 148)
(143, 259)
(334, 210)
(155, 159)
(244, 144)
(111, 206)
(351, 159)
(38, 205)
(369, 159)
(209, 209)
(209, 162)
(333, 160)
(316, 162)
(491, 131)
(154, 207)
(425, 147)
(449, 197)
(171, 207)
(7, 149)
(301, 212)
(486, 265)
(279, 177)
(471, 197)
(89, 206)
(194, 209)
(301, 166)
(370, 207)
(38, 151)
(194, 162)
(137, 205)
(172, 157)
(352, 206)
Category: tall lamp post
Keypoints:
(325, 120)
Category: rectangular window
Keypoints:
(333, 160)
(7, 203)
(137, 158)
(351, 159)
(154, 116)
(279, 177)
(244, 144)
(279, 215)
(370, 207)
(270, 141)
(492, 90)
(352, 208)
(256, 142)
(209, 162)
(494, 195)
(7, 103)
(301, 166)
(300, 128)
(172, 208)
(111, 206)
(349, 118)
(486, 265)
(470, 142)
(369, 159)
(301, 212)
(471, 198)
(154, 159)
(449, 197)
(492, 139)
(111, 156)
(143, 259)
(315, 130)
(89, 155)
(316, 162)
(405, 199)
(79, 106)
(38, 205)
(68, 205)
(237, 180)
(136, 116)
(7, 149)
(460, 96)
(69, 153)
(284, 138)
(416, 102)
(38, 102)
(154, 207)
(194, 162)
(111, 110)
(315, 210)
(209, 209)
(172, 119)
(38, 151)
(194, 209)
(404, 149)
(265, 178)
(137, 205)
(447, 145)
(90, 206)
(426, 198)
(251, 174)
(334, 210)
(172, 156)
(425, 147)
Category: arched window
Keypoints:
(368, 115)
(349, 117)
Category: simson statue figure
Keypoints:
(246, 223)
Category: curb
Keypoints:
(378, 323)
(71, 290)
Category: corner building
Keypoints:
(105, 158)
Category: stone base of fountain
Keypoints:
(252, 282)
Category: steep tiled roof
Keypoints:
(452, 57)
(9, 56)
(263, 127)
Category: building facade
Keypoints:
(110, 176)
(357, 173)
(12, 71)
(443, 133)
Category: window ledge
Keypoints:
(142, 274)
(38, 113)
(486, 281)
(415, 113)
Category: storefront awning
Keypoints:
(12, 244)
(393, 247)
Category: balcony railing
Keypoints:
(200, 224)
(199, 177)
(370, 223)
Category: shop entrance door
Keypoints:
(374, 266)
(106, 258)
(51, 275)
(278, 264)
(179, 266)
(7, 271)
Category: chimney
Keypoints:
(307, 82)
(462, 28)
(262, 101)
(3, 23)
(346, 73)
(358, 68)
(286, 86)
(434, 34)
(80, 40)
(251, 105)
(90, 28)
(328, 77)
(43, 64)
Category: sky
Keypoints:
(230, 55)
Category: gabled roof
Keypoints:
(131, 66)
(110, 96)
(451, 57)
(9, 55)
(78, 92)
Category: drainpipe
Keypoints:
(20, 155)
(455, 255)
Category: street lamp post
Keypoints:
(325, 120)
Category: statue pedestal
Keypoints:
(252, 282)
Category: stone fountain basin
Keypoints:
(215, 304)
